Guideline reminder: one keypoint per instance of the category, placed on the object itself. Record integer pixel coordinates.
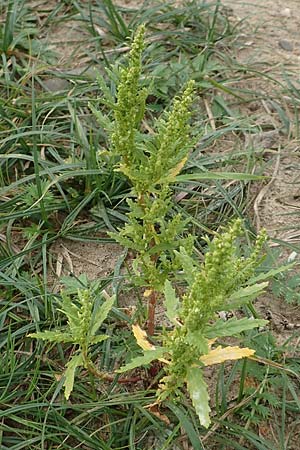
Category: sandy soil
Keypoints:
(271, 37)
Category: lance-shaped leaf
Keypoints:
(171, 302)
(221, 354)
(271, 273)
(188, 265)
(101, 315)
(196, 339)
(232, 327)
(244, 295)
(143, 360)
(97, 339)
(76, 361)
(197, 389)
(52, 336)
(70, 310)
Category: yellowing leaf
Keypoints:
(147, 293)
(221, 354)
(178, 168)
(141, 338)
(210, 342)
(75, 361)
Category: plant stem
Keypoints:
(151, 312)
(106, 376)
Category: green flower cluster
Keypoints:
(209, 291)
(151, 162)
(129, 109)
(154, 234)
(214, 283)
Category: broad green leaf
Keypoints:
(197, 340)
(144, 360)
(97, 339)
(232, 327)
(171, 302)
(221, 354)
(102, 119)
(197, 389)
(75, 362)
(141, 338)
(52, 336)
(101, 314)
(161, 248)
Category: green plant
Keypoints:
(287, 286)
(151, 163)
(84, 321)
(31, 195)
(223, 282)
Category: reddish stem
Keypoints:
(151, 313)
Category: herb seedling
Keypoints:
(84, 321)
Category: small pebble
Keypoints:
(286, 45)
(292, 256)
(286, 12)
(56, 84)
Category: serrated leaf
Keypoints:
(197, 340)
(232, 327)
(72, 284)
(100, 316)
(247, 293)
(70, 310)
(141, 338)
(188, 265)
(102, 119)
(76, 361)
(221, 354)
(143, 360)
(97, 339)
(197, 389)
(171, 302)
(109, 99)
(271, 273)
(52, 336)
